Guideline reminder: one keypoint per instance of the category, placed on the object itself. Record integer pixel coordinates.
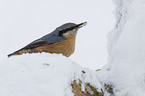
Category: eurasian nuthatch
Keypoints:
(61, 40)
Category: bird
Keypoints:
(60, 41)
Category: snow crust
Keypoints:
(41, 75)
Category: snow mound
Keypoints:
(41, 75)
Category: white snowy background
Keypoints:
(22, 21)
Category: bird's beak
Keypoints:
(82, 24)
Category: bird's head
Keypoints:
(70, 29)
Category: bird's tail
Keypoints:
(15, 53)
(9, 55)
(19, 52)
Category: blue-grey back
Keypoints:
(51, 38)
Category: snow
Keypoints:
(126, 49)
(41, 75)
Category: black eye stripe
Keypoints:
(69, 29)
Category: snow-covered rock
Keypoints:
(41, 75)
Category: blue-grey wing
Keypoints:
(45, 40)
(35, 44)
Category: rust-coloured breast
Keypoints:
(66, 47)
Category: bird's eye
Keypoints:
(61, 31)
